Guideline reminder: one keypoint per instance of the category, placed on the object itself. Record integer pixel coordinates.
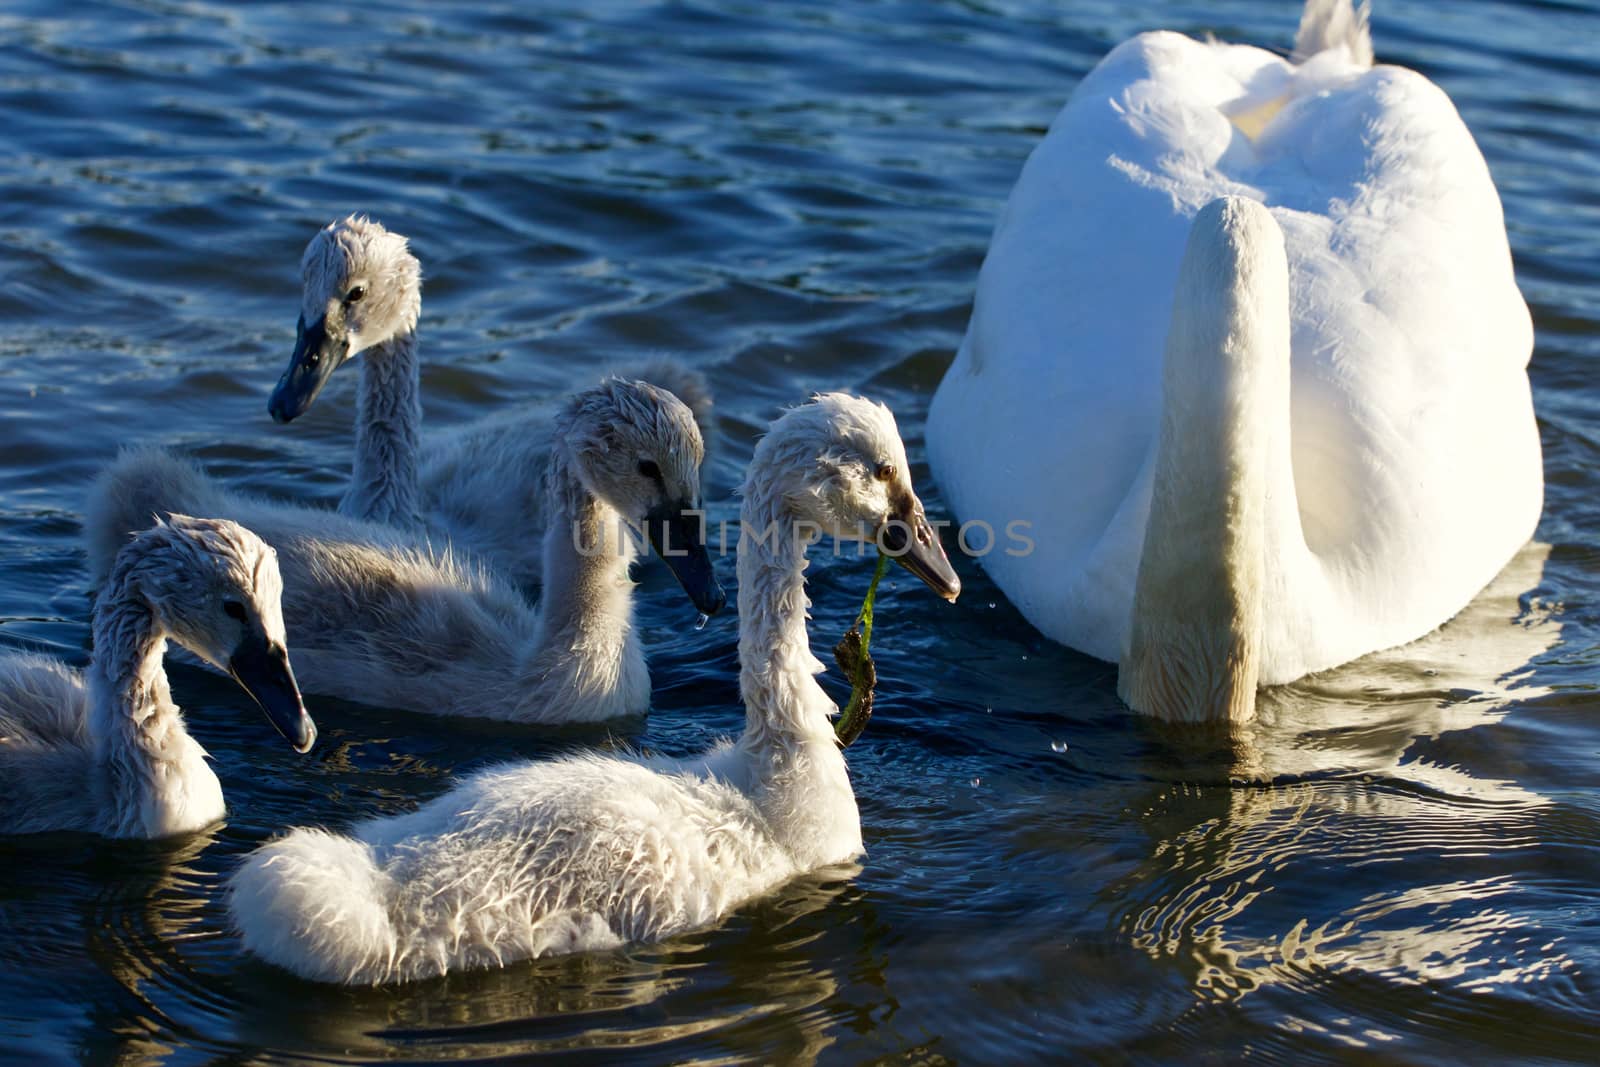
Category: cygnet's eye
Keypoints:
(355, 294)
(649, 469)
(887, 472)
(234, 609)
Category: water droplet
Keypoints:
(700, 623)
(1058, 746)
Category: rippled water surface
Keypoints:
(1399, 862)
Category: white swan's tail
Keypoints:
(316, 904)
(1329, 24)
(129, 494)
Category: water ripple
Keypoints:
(1397, 861)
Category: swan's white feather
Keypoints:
(1415, 453)
(518, 862)
(592, 851)
(382, 616)
(46, 753)
(1329, 24)
(106, 751)
(475, 486)
(475, 482)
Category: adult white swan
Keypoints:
(381, 620)
(108, 754)
(1329, 396)
(589, 852)
(477, 485)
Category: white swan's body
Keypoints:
(384, 620)
(1402, 467)
(476, 487)
(105, 751)
(590, 852)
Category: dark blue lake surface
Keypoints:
(1399, 863)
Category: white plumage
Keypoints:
(105, 751)
(1399, 464)
(477, 486)
(384, 620)
(590, 851)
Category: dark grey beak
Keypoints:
(677, 533)
(908, 539)
(315, 359)
(261, 667)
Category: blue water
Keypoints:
(1397, 864)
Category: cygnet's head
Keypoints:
(214, 587)
(636, 447)
(840, 467)
(361, 286)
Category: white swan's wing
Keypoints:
(1416, 454)
(1410, 405)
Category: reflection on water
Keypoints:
(649, 1000)
(1363, 717)
(1353, 769)
(1397, 859)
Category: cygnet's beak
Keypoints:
(262, 668)
(316, 357)
(677, 533)
(908, 539)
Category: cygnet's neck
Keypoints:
(156, 779)
(383, 478)
(1223, 490)
(585, 661)
(784, 705)
(787, 757)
